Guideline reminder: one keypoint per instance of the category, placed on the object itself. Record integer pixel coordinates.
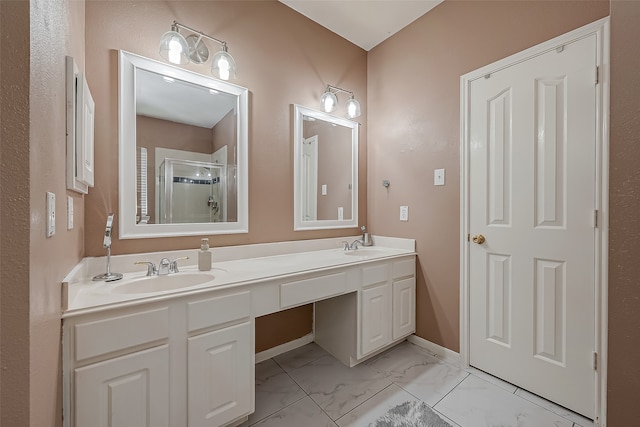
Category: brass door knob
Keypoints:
(479, 239)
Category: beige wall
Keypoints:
(57, 29)
(36, 36)
(14, 214)
(414, 119)
(282, 57)
(624, 221)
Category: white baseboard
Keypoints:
(443, 353)
(283, 348)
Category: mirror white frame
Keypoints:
(299, 112)
(128, 228)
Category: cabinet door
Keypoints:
(375, 320)
(127, 391)
(404, 307)
(219, 374)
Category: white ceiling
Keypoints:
(179, 101)
(365, 23)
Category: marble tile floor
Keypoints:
(307, 387)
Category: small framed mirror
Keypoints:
(182, 152)
(325, 170)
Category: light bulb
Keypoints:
(329, 101)
(175, 50)
(353, 108)
(223, 66)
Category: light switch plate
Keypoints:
(324, 189)
(51, 214)
(69, 213)
(438, 177)
(404, 213)
(340, 213)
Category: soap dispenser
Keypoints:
(204, 256)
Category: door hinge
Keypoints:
(595, 218)
(468, 237)
(597, 74)
(595, 361)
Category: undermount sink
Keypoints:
(147, 284)
(364, 252)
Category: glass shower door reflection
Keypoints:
(192, 192)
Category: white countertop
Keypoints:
(230, 268)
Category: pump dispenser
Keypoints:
(204, 256)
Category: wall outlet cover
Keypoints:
(404, 213)
(438, 177)
(51, 214)
(69, 213)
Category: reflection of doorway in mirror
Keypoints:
(310, 178)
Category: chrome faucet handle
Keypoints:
(163, 267)
(354, 244)
(151, 267)
(173, 267)
(346, 245)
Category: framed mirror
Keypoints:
(182, 152)
(325, 170)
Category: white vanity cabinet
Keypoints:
(121, 372)
(186, 362)
(356, 326)
(220, 385)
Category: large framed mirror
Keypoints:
(182, 152)
(325, 170)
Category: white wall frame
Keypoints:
(80, 130)
(601, 29)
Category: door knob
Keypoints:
(479, 239)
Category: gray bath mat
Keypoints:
(411, 414)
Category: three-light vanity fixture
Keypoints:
(177, 49)
(329, 101)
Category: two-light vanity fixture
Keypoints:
(329, 101)
(177, 49)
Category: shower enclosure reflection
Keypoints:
(191, 192)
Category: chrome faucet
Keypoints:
(164, 267)
(106, 243)
(353, 246)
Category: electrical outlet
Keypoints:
(324, 189)
(438, 177)
(340, 213)
(404, 213)
(51, 214)
(69, 213)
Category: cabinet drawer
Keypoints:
(117, 333)
(218, 310)
(375, 274)
(404, 268)
(309, 290)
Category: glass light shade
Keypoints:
(223, 65)
(353, 108)
(173, 48)
(329, 101)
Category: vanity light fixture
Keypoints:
(177, 49)
(329, 101)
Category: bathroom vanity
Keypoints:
(184, 355)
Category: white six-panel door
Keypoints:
(532, 142)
